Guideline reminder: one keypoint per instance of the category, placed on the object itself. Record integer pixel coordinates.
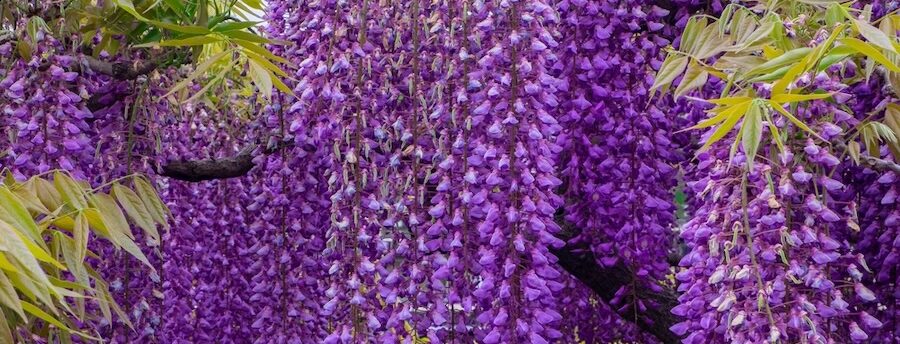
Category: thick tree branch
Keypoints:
(221, 168)
(121, 70)
(209, 169)
(605, 281)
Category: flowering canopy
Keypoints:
(449, 171)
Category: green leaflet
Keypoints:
(751, 130)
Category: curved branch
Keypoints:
(606, 281)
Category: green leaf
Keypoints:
(34, 310)
(723, 129)
(230, 26)
(71, 192)
(695, 77)
(80, 234)
(189, 29)
(261, 51)
(783, 60)
(793, 98)
(793, 119)
(9, 298)
(136, 210)
(670, 69)
(191, 41)
(870, 51)
(6, 335)
(199, 70)
(12, 211)
(246, 36)
(261, 78)
(266, 64)
(20, 251)
(854, 150)
(874, 35)
(692, 30)
(155, 205)
(751, 131)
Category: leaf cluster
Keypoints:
(771, 46)
(46, 274)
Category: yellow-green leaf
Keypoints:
(792, 98)
(5, 331)
(34, 310)
(22, 254)
(8, 296)
(793, 119)
(229, 26)
(189, 29)
(751, 131)
(870, 51)
(261, 78)
(725, 113)
(191, 41)
(265, 63)
(136, 210)
(259, 50)
(80, 234)
(874, 35)
(155, 205)
(695, 77)
(71, 192)
(854, 150)
(723, 129)
(199, 70)
(247, 36)
(780, 61)
(670, 69)
(14, 212)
